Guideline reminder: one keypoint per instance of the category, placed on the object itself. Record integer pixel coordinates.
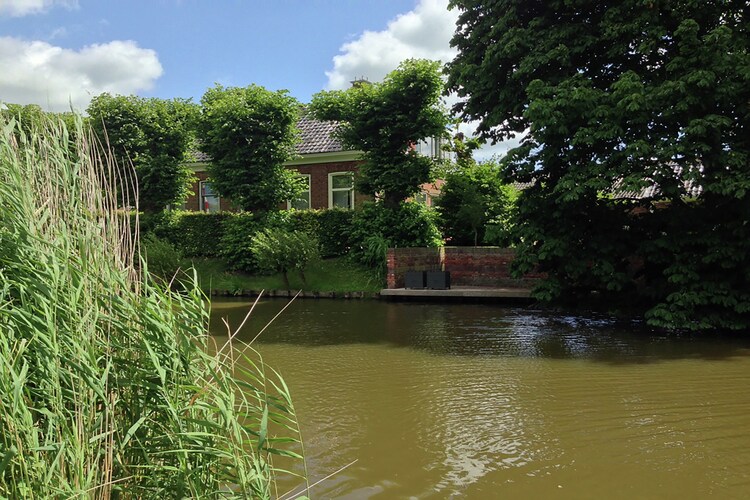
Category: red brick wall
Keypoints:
(318, 185)
(193, 199)
(318, 173)
(401, 260)
(468, 266)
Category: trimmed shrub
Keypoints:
(332, 227)
(228, 235)
(234, 245)
(195, 234)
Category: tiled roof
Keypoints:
(652, 190)
(315, 137)
(198, 156)
(690, 185)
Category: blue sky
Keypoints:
(278, 44)
(61, 52)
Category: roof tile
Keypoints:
(315, 137)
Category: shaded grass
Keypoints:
(328, 275)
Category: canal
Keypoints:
(482, 401)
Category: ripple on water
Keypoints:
(475, 401)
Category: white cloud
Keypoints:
(36, 72)
(19, 8)
(424, 32)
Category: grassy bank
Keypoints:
(328, 275)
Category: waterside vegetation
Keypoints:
(110, 385)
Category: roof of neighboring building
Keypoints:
(691, 186)
(315, 137)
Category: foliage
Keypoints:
(339, 275)
(226, 235)
(385, 121)
(152, 134)
(249, 133)
(194, 234)
(375, 253)
(332, 227)
(475, 206)
(30, 117)
(616, 96)
(408, 225)
(278, 250)
(162, 258)
(239, 232)
(110, 385)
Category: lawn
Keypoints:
(328, 275)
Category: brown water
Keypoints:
(478, 401)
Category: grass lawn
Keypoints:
(329, 275)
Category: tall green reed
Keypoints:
(110, 386)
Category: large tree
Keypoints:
(385, 121)
(152, 134)
(616, 96)
(249, 133)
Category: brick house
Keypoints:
(321, 160)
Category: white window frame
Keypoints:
(309, 192)
(331, 189)
(202, 197)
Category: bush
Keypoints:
(196, 234)
(332, 227)
(228, 235)
(234, 244)
(279, 250)
(475, 207)
(162, 258)
(409, 225)
(375, 253)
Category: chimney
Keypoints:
(359, 82)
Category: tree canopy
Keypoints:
(475, 206)
(249, 133)
(386, 121)
(618, 97)
(154, 134)
(32, 118)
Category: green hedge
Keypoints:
(193, 234)
(227, 235)
(340, 232)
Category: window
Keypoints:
(302, 202)
(430, 147)
(209, 199)
(341, 190)
(422, 198)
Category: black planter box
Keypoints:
(414, 279)
(438, 280)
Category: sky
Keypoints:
(61, 53)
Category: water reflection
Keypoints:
(474, 330)
(475, 401)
